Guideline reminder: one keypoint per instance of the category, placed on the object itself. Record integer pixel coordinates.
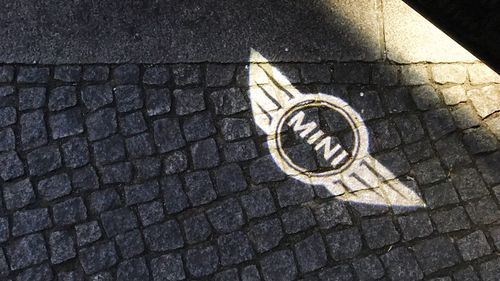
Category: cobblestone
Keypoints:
(31, 98)
(168, 267)
(401, 265)
(96, 96)
(156, 75)
(75, 152)
(266, 235)
(98, 257)
(202, 261)
(164, 236)
(158, 173)
(279, 266)
(310, 253)
(29, 221)
(26, 251)
(18, 194)
(126, 74)
(130, 243)
(344, 244)
(435, 254)
(158, 101)
(33, 131)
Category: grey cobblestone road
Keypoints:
(141, 172)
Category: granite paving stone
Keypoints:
(279, 266)
(33, 130)
(415, 225)
(31, 98)
(168, 267)
(130, 244)
(95, 73)
(43, 160)
(297, 219)
(227, 216)
(10, 165)
(128, 97)
(33, 74)
(483, 211)
(473, 246)
(196, 228)
(167, 135)
(29, 221)
(87, 233)
(98, 257)
(26, 251)
(451, 220)
(199, 188)
(467, 273)
(265, 235)
(118, 221)
(368, 268)
(156, 75)
(133, 270)
(204, 154)
(62, 97)
(6, 73)
(40, 272)
(379, 232)
(401, 265)
(61, 247)
(186, 74)
(70, 211)
(490, 270)
(96, 96)
(116, 173)
(157, 101)
(250, 273)
(132, 123)
(258, 203)
(101, 124)
(234, 248)
(479, 140)
(84, 179)
(139, 145)
(229, 101)
(66, 123)
(202, 261)
(436, 253)
(175, 199)
(67, 73)
(150, 213)
(310, 253)
(126, 74)
(240, 151)
(198, 126)
(4, 229)
(344, 244)
(18, 194)
(164, 236)
(75, 152)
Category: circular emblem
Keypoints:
(342, 162)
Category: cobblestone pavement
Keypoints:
(141, 172)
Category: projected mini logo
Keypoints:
(330, 130)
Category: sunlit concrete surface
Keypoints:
(410, 38)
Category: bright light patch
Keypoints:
(347, 170)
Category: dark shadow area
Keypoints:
(474, 24)
(169, 31)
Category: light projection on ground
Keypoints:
(345, 167)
